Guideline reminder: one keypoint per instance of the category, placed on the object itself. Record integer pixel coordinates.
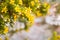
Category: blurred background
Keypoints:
(29, 19)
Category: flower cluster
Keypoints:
(44, 8)
(21, 10)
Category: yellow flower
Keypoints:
(36, 0)
(31, 19)
(58, 37)
(0, 38)
(15, 17)
(45, 4)
(29, 15)
(32, 3)
(38, 14)
(38, 5)
(17, 8)
(5, 30)
(48, 6)
(20, 2)
(28, 10)
(12, 1)
(4, 9)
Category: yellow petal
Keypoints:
(12, 1)
(5, 30)
(32, 3)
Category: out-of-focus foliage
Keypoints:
(55, 36)
(58, 8)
